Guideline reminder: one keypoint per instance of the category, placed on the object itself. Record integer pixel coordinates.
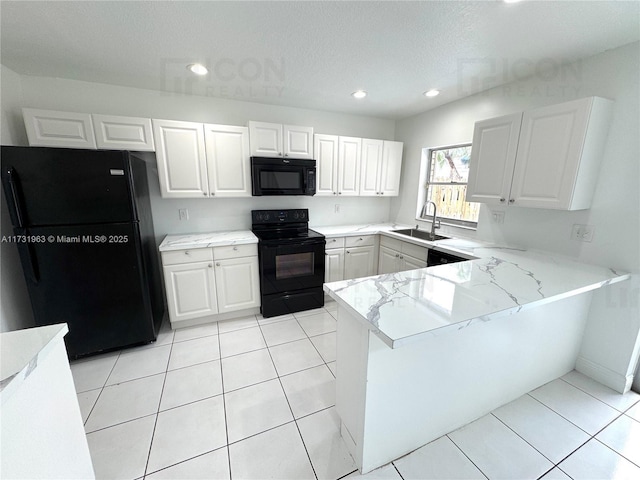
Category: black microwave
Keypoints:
(282, 176)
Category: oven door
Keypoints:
(287, 268)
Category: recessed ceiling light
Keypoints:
(432, 93)
(198, 69)
(359, 94)
(511, 1)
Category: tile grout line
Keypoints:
(304, 445)
(224, 407)
(591, 437)
(593, 396)
(463, 452)
(99, 393)
(155, 424)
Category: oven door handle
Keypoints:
(302, 243)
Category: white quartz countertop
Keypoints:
(205, 240)
(331, 231)
(406, 306)
(20, 351)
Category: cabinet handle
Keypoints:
(360, 239)
(339, 193)
(381, 193)
(204, 193)
(348, 251)
(187, 252)
(397, 255)
(511, 200)
(334, 193)
(218, 264)
(286, 154)
(213, 193)
(210, 266)
(235, 248)
(401, 257)
(502, 199)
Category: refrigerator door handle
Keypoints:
(13, 183)
(29, 263)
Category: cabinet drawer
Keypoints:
(415, 250)
(392, 243)
(235, 251)
(187, 256)
(362, 241)
(335, 242)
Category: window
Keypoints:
(444, 182)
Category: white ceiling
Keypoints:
(311, 54)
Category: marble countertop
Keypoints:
(21, 350)
(205, 240)
(406, 306)
(331, 231)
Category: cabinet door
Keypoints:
(49, 128)
(370, 167)
(334, 265)
(391, 168)
(326, 150)
(191, 290)
(408, 262)
(388, 260)
(359, 262)
(123, 133)
(265, 139)
(180, 152)
(298, 141)
(493, 156)
(349, 150)
(237, 284)
(549, 152)
(228, 166)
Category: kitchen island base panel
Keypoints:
(431, 387)
(194, 322)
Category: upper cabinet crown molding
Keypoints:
(50, 128)
(277, 140)
(123, 133)
(548, 157)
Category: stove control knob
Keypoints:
(266, 217)
(295, 215)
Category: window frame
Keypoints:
(425, 183)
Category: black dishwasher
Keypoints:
(438, 258)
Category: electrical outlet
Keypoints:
(498, 217)
(337, 208)
(582, 233)
(183, 214)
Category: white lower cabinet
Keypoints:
(334, 265)
(359, 262)
(398, 256)
(191, 290)
(206, 282)
(237, 284)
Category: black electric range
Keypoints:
(291, 257)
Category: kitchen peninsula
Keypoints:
(426, 351)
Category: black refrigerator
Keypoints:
(83, 228)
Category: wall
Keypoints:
(15, 310)
(614, 212)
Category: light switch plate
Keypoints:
(183, 214)
(582, 233)
(498, 217)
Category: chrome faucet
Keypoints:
(434, 219)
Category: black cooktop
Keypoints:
(283, 226)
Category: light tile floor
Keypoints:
(254, 398)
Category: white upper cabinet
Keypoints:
(493, 156)
(276, 140)
(380, 167)
(123, 133)
(228, 165)
(551, 162)
(326, 150)
(298, 141)
(49, 128)
(265, 139)
(371, 167)
(391, 168)
(180, 151)
(349, 155)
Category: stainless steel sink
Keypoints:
(421, 234)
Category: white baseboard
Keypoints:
(619, 383)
